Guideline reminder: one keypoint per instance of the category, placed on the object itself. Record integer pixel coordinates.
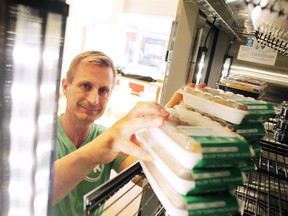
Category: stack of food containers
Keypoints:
(198, 162)
(250, 126)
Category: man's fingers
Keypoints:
(133, 150)
(135, 124)
(148, 108)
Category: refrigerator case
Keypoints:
(32, 35)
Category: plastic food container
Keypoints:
(228, 106)
(206, 104)
(186, 181)
(223, 203)
(198, 142)
(225, 124)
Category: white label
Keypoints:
(258, 54)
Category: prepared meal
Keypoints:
(186, 181)
(197, 141)
(175, 204)
(228, 106)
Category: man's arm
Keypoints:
(70, 170)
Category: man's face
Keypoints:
(88, 94)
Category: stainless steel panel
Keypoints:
(268, 19)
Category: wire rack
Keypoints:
(275, 43)
(272, 24)
(266, 190)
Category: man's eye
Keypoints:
(103, 91)
(86, 86)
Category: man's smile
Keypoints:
(94, 109)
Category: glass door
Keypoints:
(30, 72)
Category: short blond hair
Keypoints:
(93, 57)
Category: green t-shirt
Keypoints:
(72, 204)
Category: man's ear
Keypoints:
(64, 86)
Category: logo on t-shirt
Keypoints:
(96, 173)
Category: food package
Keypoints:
(233, 108)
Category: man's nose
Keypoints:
(93, 97)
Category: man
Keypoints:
(87, 152)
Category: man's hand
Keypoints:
(120, 137)
(177, 96)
